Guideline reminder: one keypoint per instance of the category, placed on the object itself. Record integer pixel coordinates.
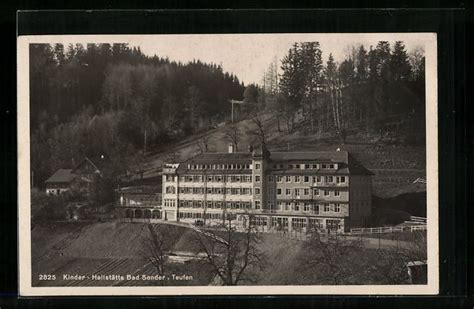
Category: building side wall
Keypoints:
(360, 205)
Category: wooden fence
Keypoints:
(390, 229)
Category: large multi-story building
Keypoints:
(277, 190)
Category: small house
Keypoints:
(82, 178)
(59, 182)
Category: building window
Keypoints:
(288, 179)
(257, 178)
(297, 166)
(279, 179)
(315, 166)
(306, 192)
(307, 207)
(326, 192)
(316, 209)
(297, 206)
(337, 193)
(331, 166)
(170, 189)
(333, 224)
(306, 166)
(306, 179)
(297, 179)
(281, 166)
(337, 208)
(257, 166)
(279, 206)
(290, 166)
(257, 191)
(316, 192)
(297, 192)
(270, 178)
(287, 206)
(288, 192)
(326, 208)
(343, 179)
(323, 166)
(279, 191)
(329, 179)
(270, 205)
(257, 204)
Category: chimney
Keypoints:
(231, 148)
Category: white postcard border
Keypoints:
(24, 214)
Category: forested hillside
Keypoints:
(378, 91)
(113, 101)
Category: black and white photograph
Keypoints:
(228, 164)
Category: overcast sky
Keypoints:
(248, 55)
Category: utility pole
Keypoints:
(144, 143)
(232, 110)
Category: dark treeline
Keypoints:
(380, 90)
(114, 101)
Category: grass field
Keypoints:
(117, 249)
(102, 249)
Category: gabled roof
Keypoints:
(347, 163)
(139, 190)
(321, 156)
(219, 158)
(61, 176)
(87, 160)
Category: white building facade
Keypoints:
(302, 191)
